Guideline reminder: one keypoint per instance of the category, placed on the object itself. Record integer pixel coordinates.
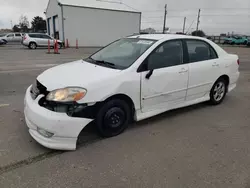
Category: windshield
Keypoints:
(2, 35)
(122, 53)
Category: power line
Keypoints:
(194, 9)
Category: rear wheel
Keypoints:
(32, 45)
(245, 42)
(113, 118)
(218, 91)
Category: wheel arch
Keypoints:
(125, 98)
(32, 42)
(98, 105)
(226, 78)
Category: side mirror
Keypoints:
(149, 74)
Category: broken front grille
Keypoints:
(38, 89)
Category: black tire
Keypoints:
(245, 43)
(113, 118)
(32, 45)
(223, 91)
(233, 43)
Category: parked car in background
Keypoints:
(131, 79)
(34, 40)
(2, 37)
(236, 40)
(2, 42)
(12, 37)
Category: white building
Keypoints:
(91, 22)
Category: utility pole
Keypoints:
(198, 21)
(165, 17)
(184, 25)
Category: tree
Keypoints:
(148, 30)
(199, 33)
(16, 28)
(38, 24)
(23, 23)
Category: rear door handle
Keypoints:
(215, 64)
(183, 70)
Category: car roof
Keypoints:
(164, 36)
(37, 33)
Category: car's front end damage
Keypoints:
(58, 105)
(54, 125)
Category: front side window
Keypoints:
(166, 55)
(122, 53)
(200, 51)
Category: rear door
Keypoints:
(18, 37)
(44, 40)
(204, 68)
(39, 40)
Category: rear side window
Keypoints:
(200, 51)
(10, 35)
(18, 35)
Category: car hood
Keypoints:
(75, 74)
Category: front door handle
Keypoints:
(183, 70)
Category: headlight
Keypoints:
(69, 94)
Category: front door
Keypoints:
(165, 78)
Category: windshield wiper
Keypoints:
(105, 62)
(102, 62)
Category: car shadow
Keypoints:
(89, 133)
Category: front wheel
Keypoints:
(113, 118)
(218, 92)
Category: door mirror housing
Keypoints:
(149, 74)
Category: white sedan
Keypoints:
(131, 79)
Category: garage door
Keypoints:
(56, 24)
(51, 27)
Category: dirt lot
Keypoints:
(198, 146)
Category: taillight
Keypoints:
(238, 61)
